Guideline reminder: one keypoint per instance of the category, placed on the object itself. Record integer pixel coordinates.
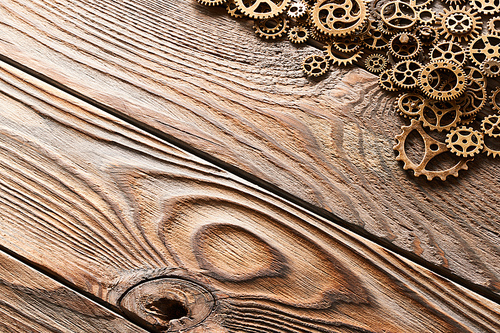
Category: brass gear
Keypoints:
(494, 26)
(262, 9)
(405, 73)
(489, 151)
(339, 17)
(426, 16)
(347, 44)
(410, 104)
(491, 67)
(428, 35)
(439, 115)
(349, 59)
(404, 46)
(491, 125)
(315, 65)
(375, 39)
(487, 7)
(495, 99)
(233, 10)
(432, 148)
(271, 28)
(297, 9)
(376, 62)
(298, 34)
(464, 141)
(484, 47)
(447, 51)
(398, 15)
(456, 80)
(212, 2)
(385, 81)
(459, 24)
(475, 97)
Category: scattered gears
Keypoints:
(491, 67)
(452, 83)
(315, 65)
(298, 34)
(404, 46)
(297, 9)
(405, 73)
(491, 125)
(376, 62)
(484, 47)
(262, 9)
(487, 7)
(495, 99)
(464, 141)
(271, 28)
(339, 17)
(459, 24)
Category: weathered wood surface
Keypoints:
(199, 76)
(32, 302)
(106, 206)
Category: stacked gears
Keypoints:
(443, 63)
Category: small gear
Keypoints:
(262, 9)
(212, 2)
(233, 10)
(298, 34)
(494, 26)
(459, 24)
(405, 73)
(398, 15)
(385, 81)
(487, 7)
(410, 104)
(495, 99)
(426, 16)
(491, 67)
(376, 62)
(385, 29)
(428, 35)
(271, 28)
(318, 35)
(453, 80)
(347, 44)
(447, 51)
(339, 17)
(315, 65)
(464, 141)
(484, 47)
(491, 125)
(432, 148)
(439, 115)
(404, 46)
(297, 9)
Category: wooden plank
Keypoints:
(106, 206)
(203, 78)
(32, 302)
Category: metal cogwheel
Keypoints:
(464, 141)
(404, 46)
(428, 35)
(315, 65)
(495, 99)
(376, 62)
(297, 9)
(494, 26)
(385, 81)
(484, 47)
(212, 2)
(375, 39)
(262, 9)
(426, 16)
(410, 104)
(233, 10)
(271, 28)
(487, 7)
(432, 148)
(459, 24)
(405, 73)
(347, 44)
(449, 51)
(452, 82)
(298, 34)
(439, 115)
(339, 17)
(399, 15)
(454, 2)
(491, 125)
(491, 67)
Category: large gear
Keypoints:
(491, 125)
(262, 9)
(404, 46)
(315, 65)
(450, 72)
(432, 148)
(339, 17)
(459, 24)
(464, 141)
(484, 47)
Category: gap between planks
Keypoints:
(481, 290)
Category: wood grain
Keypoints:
(108, 208)
(32, 302)
(205, 79)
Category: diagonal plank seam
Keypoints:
(481, 290)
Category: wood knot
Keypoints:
(168, 304)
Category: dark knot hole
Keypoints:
(167, 309)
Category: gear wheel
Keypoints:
(262, 9)
(491, 67)
(428, 35)
(271, 28)
(495, 99)
(494, 26)
(398, 15)
(297, 9)
(385, 81)
(233, 10)
(447, 51)
(432, 148)
(439, 115)
(487, 7)
(453, 76)
(459, 24)
(375, 39)
(491, 125)
(464, 141)
(315, 65)
(404, 46)
(298, 35)
(484, 47)
(376, 63)
(347, 44)
(410, 104)
(212, 2)
(405, 73)
(339, 17)
(426, 16)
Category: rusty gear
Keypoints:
(453, 76)
(491, 125)
(315, 65)
(495, 99)
(262, 9)
(376, 63)
(432, 148)
(483, 48)
(449, 51)
(271, 28)
(439, 115)
(487, 7)
(339, 17)
(404, 46)
(385, 81)
(405, 73)
(459, 24)
(398, 15)
(410, 104)
(464, 141)
(491, 67)
(298, 34)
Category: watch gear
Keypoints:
(432, 148)
(376, 63)
(404, 46)
(298, 34)
(271, 28)
(385, 81)
(315, 65)
(398, 15)
(491, 125)
(426, 16)
(484, 47)
(339, 17)
(405, 73)
(452, 83)
(262, 9)
(459, 24)
(491, 67)
(464, 141)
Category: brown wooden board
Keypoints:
(106, 206)
(32, 302)
(201, 77)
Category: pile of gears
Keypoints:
(440, 58)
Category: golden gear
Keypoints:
(487, 7)
(464, 141)
(298, 34)
(491, 125)
(491, 67)
(427, 35)
(405, 73)
(339, 18)
(385, 29)
(398, 15)
(474, 98)
(474, 74)
(347, 44)
(404, 46)
(297, 9)
(375, 39)
(494, 26)
(449, 51)
(426, 16)
(364, 30)
(495, 99)
(375, 8)
(385, 81)
(459, 24)
(233, 10)
(262, 9)
(271, 28)
(315, 65)
(376, 63)
(432, 148)
(212, 2)
(484, 47)
(348, 60)
(410, 104)
(318, 35)
(455, 80)
(439, 115)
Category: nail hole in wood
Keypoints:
(167, 309)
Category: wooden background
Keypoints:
(144, 139)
